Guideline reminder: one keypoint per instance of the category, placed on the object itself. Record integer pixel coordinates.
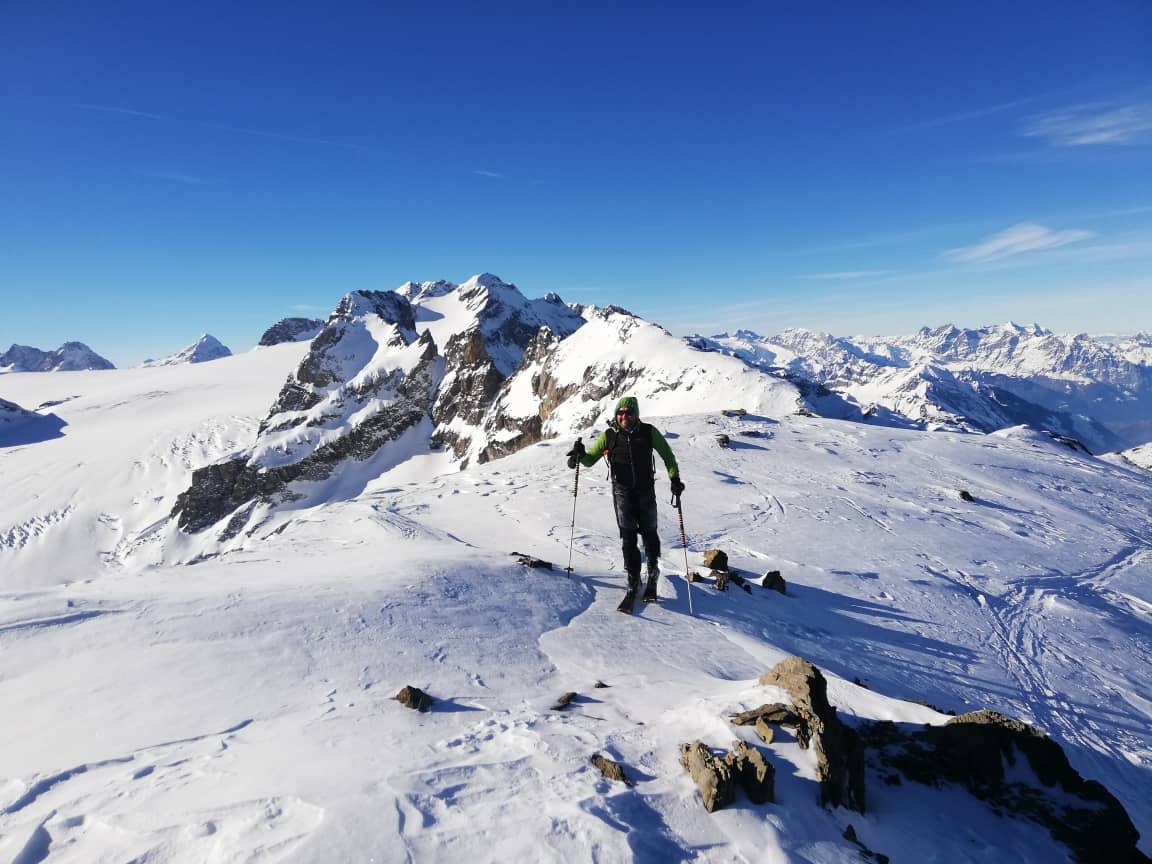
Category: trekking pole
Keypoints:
(572, 532)
(684, 544)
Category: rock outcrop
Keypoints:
(291, 330)
(839, 750)
(984, 751)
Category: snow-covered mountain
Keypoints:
(69, 357)
(171, 697)
(460, 374)
(291, 330)
(1097, 391)
(206, 348)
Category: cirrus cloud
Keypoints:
(1099, 123)
(1016, 240)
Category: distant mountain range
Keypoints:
(1098, 391)
(475, 371)
(69, 357)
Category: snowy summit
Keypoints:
(206, 348)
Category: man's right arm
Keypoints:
(592, 454)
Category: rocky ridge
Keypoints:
(291, 330)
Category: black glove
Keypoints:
(677, 487)
(574, 455)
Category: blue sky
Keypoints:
(168, 168)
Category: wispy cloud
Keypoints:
(965, 116)
(1097, 123)
(1025, 237)
(177, 177)
(486, 173)
(112, 109)
(308, 307)
(847, 274)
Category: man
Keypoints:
(628, 445)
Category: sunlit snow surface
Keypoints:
(239, 709)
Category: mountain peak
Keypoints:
(69, 357)
(206, 348)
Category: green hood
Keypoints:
(629, 402)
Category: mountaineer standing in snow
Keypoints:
(629, 446)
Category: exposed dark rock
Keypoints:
(470, 384)
(850, 836)
(291, 330)
(564, 701)
(733, 412)
(777, 712)
(216, 490)
(415, 698)
(713, 776)
(839, 750)
(965, 495)
(611, 770)
(756, 776)
(723, 440)
(529, 561)
(973, 749)
(775, 582)
(720, 578)
(716, 559)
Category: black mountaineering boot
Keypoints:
(650, 595)
(630, 595)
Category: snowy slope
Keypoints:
(101, 494)
(240, 708)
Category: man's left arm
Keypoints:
(661, 447)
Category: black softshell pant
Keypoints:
(636, 514)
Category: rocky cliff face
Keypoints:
(69, 357)
(291, 330)
(368, 380)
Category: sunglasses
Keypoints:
(625, 412)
